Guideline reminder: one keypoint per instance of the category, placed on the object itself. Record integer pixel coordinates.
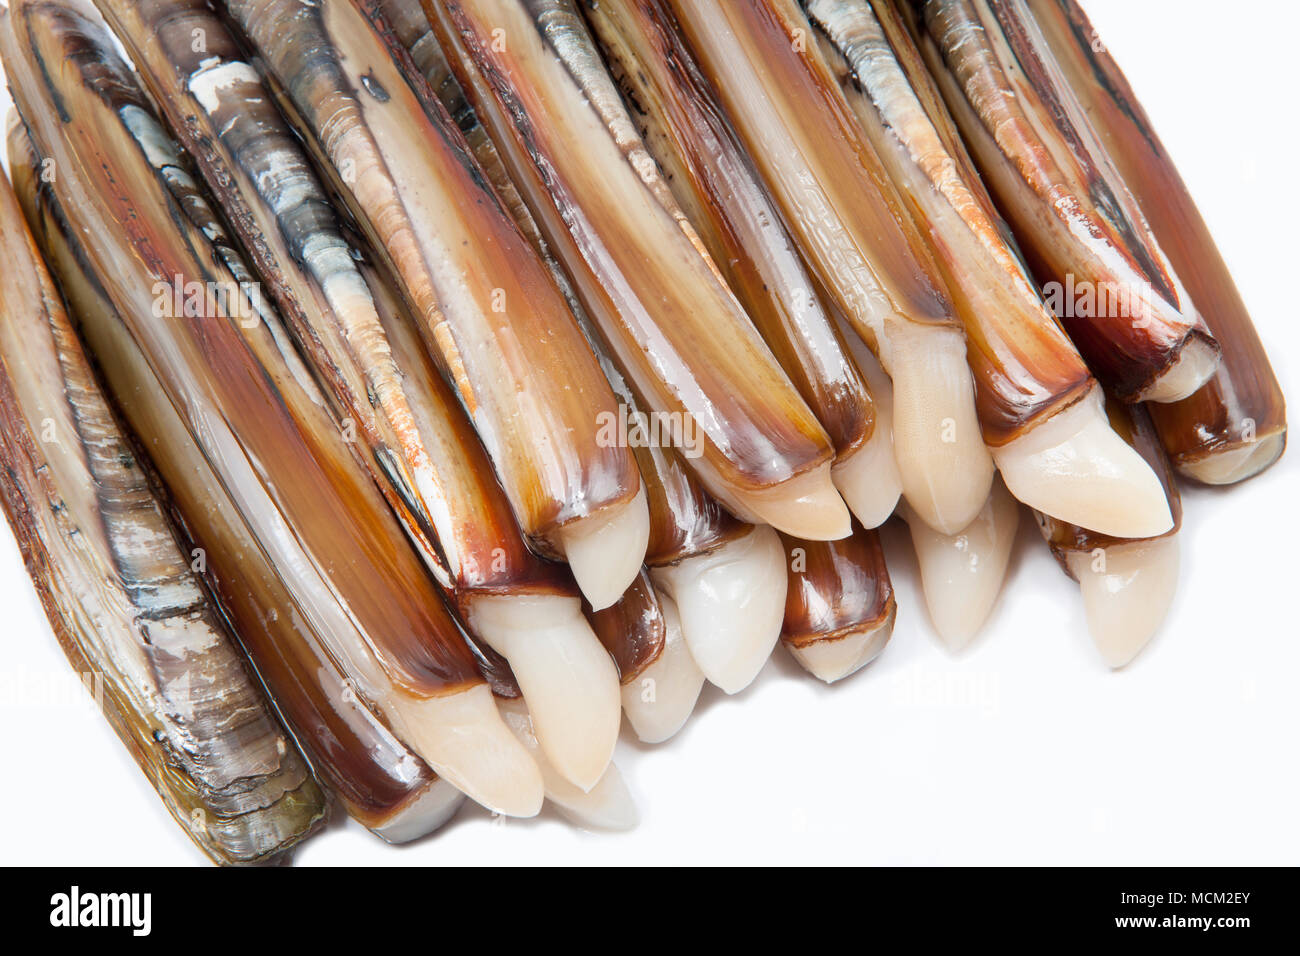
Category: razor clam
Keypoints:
(1128, 584)
(411, 29)
(839, 606)
(605, 805)
(378, 780)
(663, 311)
(525, 609)
(962, 573)
(1080, 227)
(1233, 426)
(724, 576)
(632, 629)
(872, 266)
(1040, 409)
(490, 312)
(423, 450)
(684, 130)
(227, 367)
(731, 620)
(660, 700)
(120, 593)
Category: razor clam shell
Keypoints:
(663, 311)
(424, 451)
(872, 266)
(685, 519)
(840, 588)
(120, 593)
(491, 314)
(632, 629)
(1024, 367)
(1075, 219)
(411, 28)
(231, 371)
(683, 128)
(401, 328)
(372, 773)
(1242, 404)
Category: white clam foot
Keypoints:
(962, 574)
(807, 506)
(659, 700)
(732, 602)
(605, 550)
(1193, 367)
(566, 675)
(606, 806)
(428, 812)
(461, 736)
(1075, 468)
(945, 467)
(868, 480)
(872, 506)
(1127, 591)
(835, 659)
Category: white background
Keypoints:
(1024, 749)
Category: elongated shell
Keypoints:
(873, 267)
(685, 519)
(1025, 368)
(423, 450)
(665, 314)
(230, 371)
(1077, 222)
(422, 447)
(411, 28)
(491, 314)
(120, 593)
(378, 780)
(712, 179)
(870, 261)
(1234, 426)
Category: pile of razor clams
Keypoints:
(398, 394)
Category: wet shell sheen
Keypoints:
(663, 311)
(373, 774)
(131, 615)
(836, 588)
(230, 371)
(870, 262)
(491, 314)
(1075, 218)
(685, 519)
(1235, 425)
(633, 629)
(1025, 368)
(712, 179)
(423, 449)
